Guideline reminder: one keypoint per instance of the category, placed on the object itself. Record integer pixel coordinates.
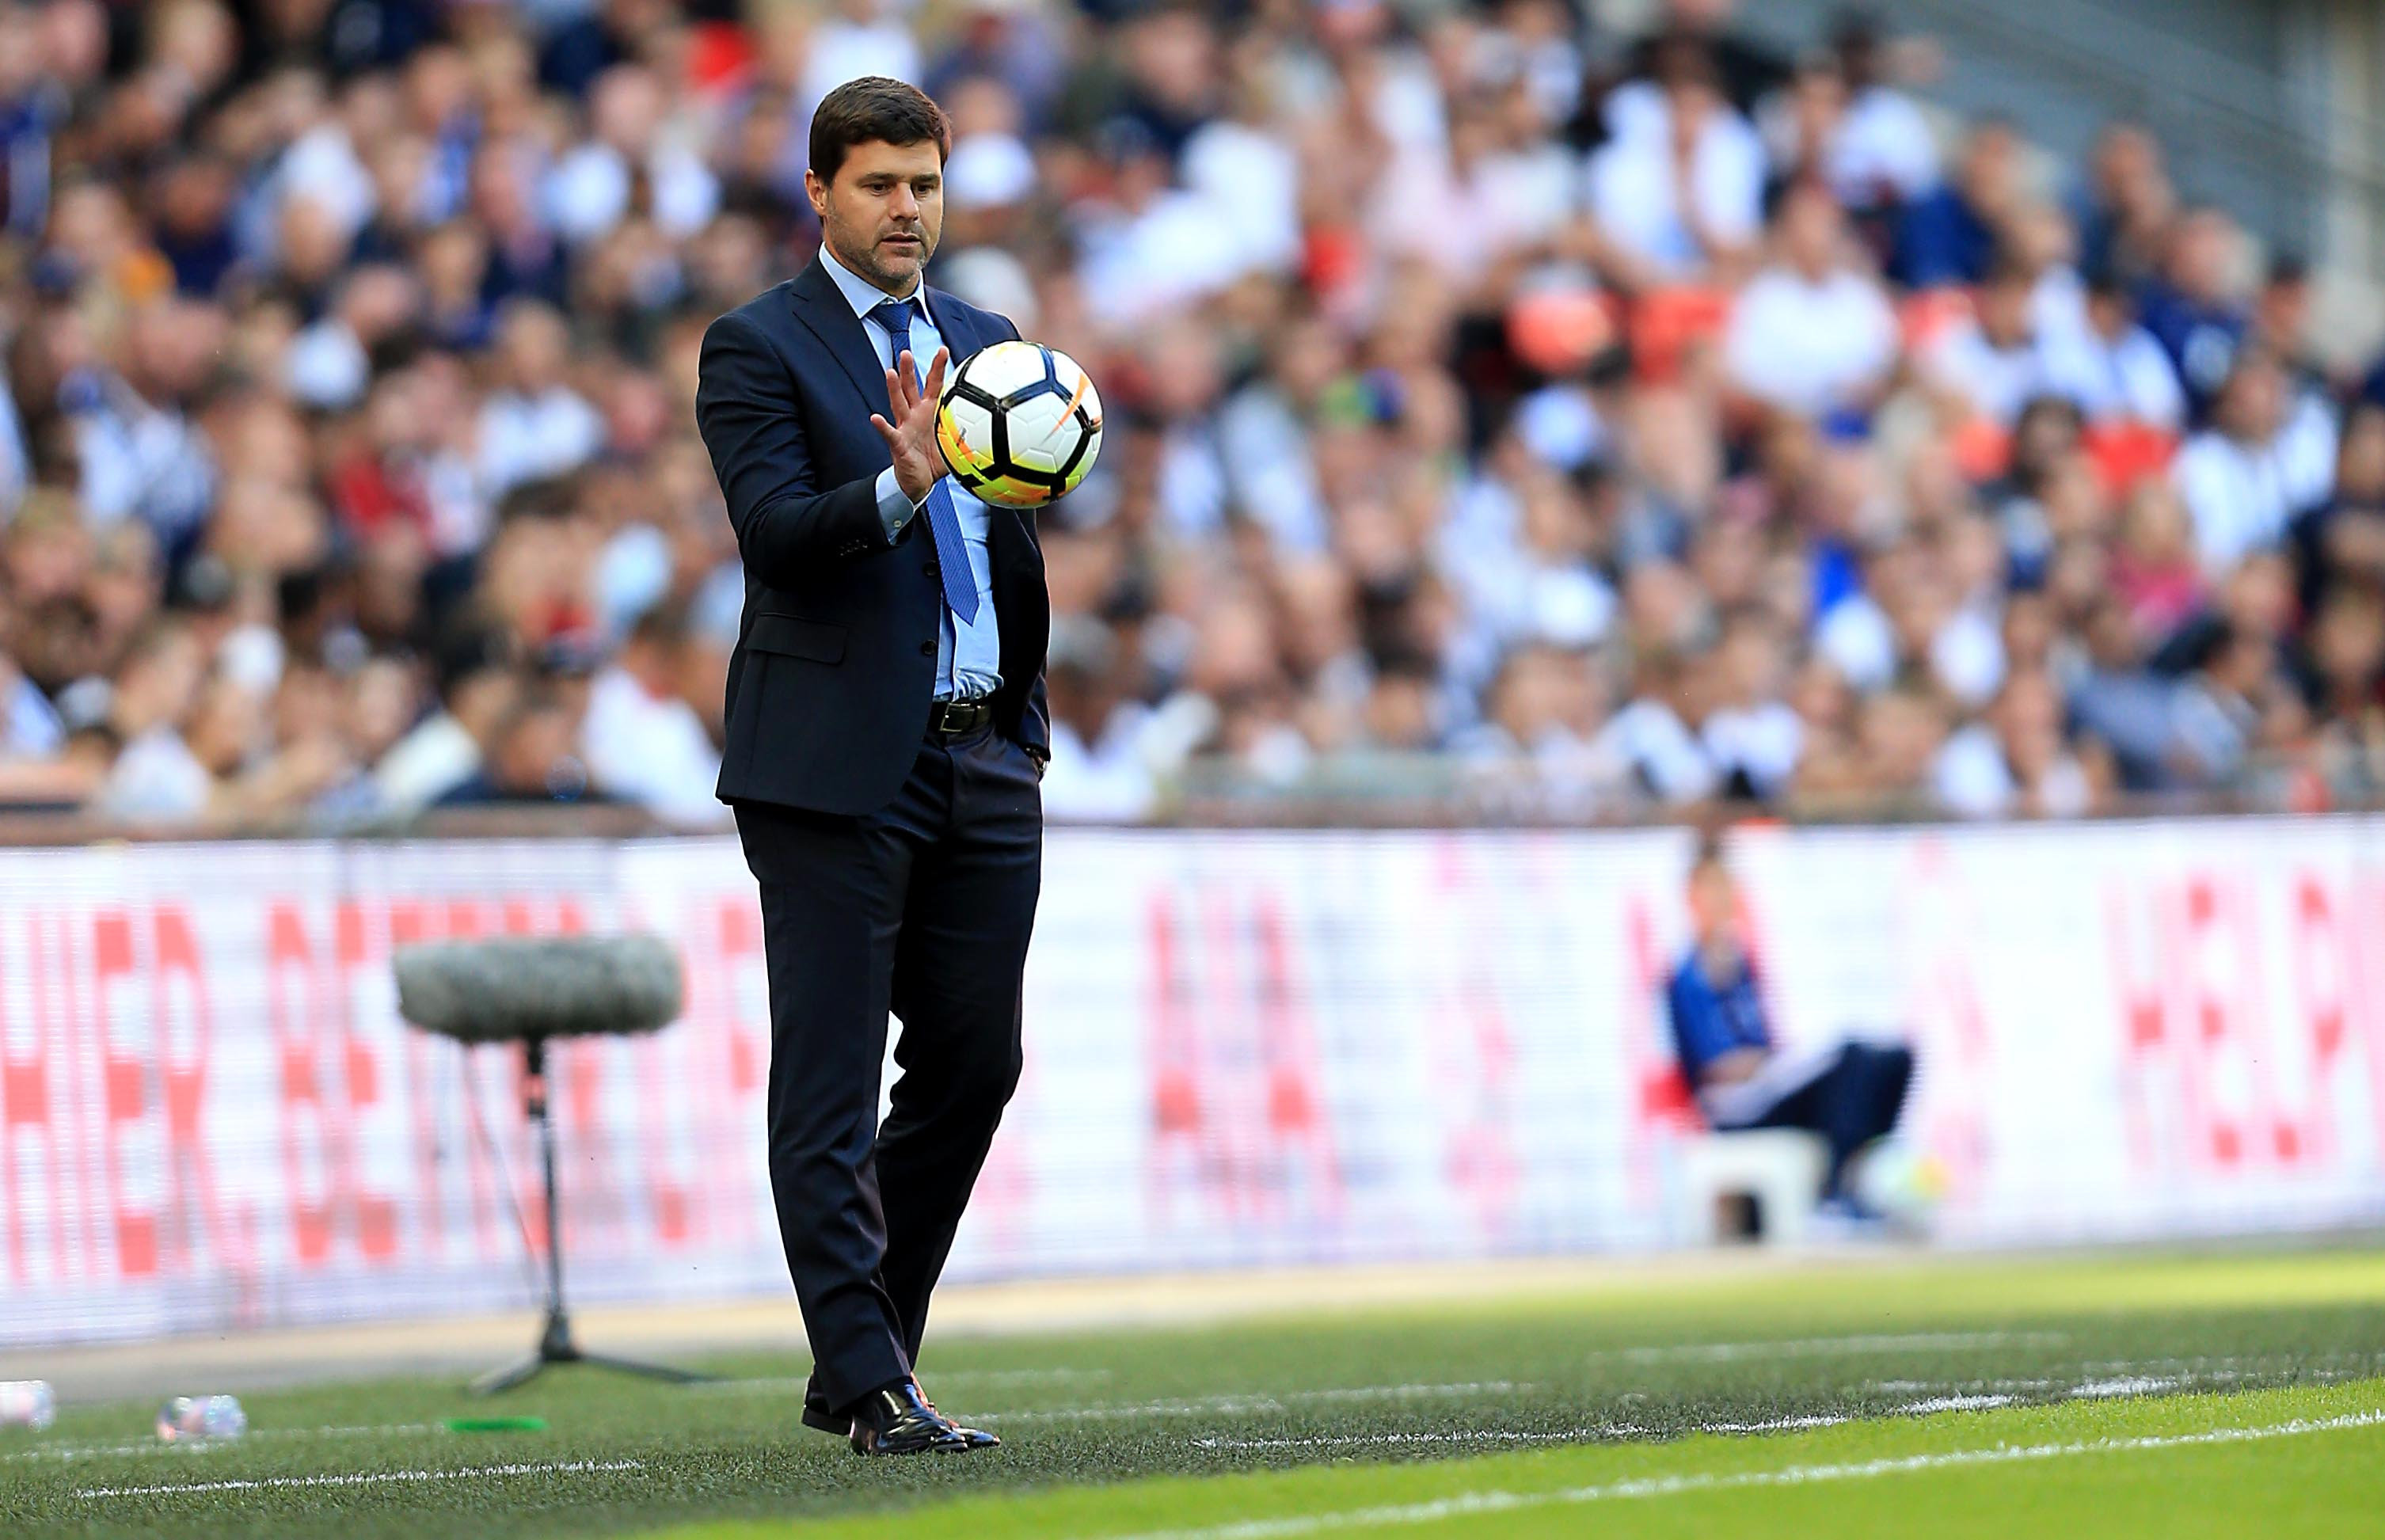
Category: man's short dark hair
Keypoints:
(874, 108)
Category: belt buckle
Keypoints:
(953, 716)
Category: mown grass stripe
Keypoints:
(1806, 1348)
(1472, 1504)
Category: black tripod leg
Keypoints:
(504, 1379)
(555, 1344)
(555, 1337)
(649, 1370)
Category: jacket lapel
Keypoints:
(957, 327)
(817, 303)
(820, 306)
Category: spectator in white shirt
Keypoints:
(140, 454)
(1752, 737)
(642, 740)
(2264, 459)
(329, 365)
(1648, 737)
(534, 425)
(1813, 333)
(1995, 361)
(2115, 369)
(1882, 153)
(477, 691)
(1502, 187)
(1533, 580)
(859, 39)
(16, 461)
(1250, 175)
(1152, 246)
(588, 191)
(157, 778)
(1098, 771)
(2014, 760)
(1679, 193)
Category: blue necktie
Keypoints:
(944, 523)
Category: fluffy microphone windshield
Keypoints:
(548, 986)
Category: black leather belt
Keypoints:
(957, 719)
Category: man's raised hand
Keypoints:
(909, 424)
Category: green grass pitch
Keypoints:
(2235, 1395)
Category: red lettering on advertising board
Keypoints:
(1300, 1128)
(1237, 1110)
(2364, 967)
(355, 952)
(185, 1037)
(1662, 1105)
(2319, 953)
(2225, 1059)
(688, 1092)
(127, 1143)
(411, 923)
(1476, 1065)
(466, 919)
(741, 949)
(27, 1127)
(2240, 1068)
(294, 1007)
(2140, 990)
(1177, 1155)
(57, 1012)
(670, 1201)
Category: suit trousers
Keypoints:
(1853, 1101)
(923, 908)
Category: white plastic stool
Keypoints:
(1779, 1168)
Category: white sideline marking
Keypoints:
(2131, 1385)
(1776, 1425)
(1953, 1403)
(207, 1446)
(1238, 1404)
(1602, 1431)
(1806, 1348)
(1478, 1435)
(366, 1478)
(1497, 1501)
(1833, 1420)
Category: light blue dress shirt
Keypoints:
(968, 656)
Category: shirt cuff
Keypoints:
(895, 508)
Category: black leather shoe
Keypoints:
(976, 1438)
(816, 1413)
(898, 1420)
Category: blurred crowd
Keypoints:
(1504, 404)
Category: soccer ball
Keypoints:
(1020, 424)
(1900, 1183)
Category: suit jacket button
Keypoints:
(934, 570)
(927, 649)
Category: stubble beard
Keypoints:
(864, 261)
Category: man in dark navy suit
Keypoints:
(886, 732)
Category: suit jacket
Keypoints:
(835, 662)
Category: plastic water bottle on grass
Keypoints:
(27, 1404)
(200, 1419)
